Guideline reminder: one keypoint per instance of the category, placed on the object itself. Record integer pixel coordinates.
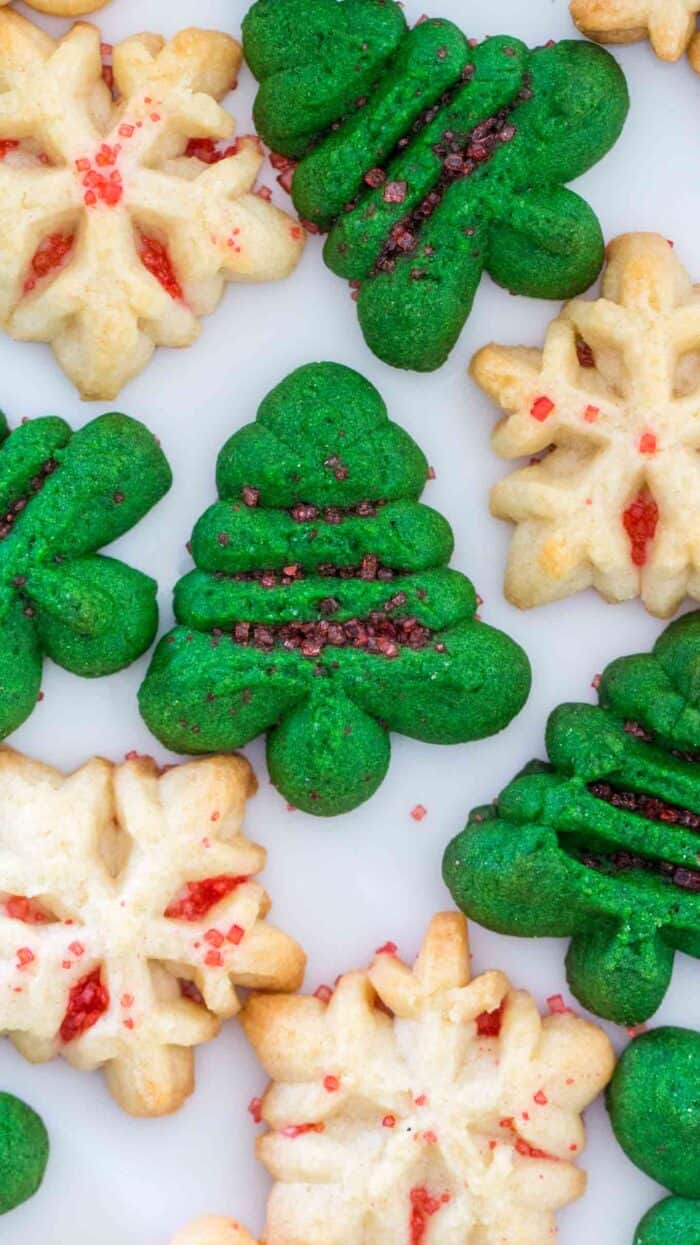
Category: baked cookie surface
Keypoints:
(122, 219)
(64, 495)
(322, 609)
(430, 160)
(128, 914)
(609, 409)
(421, 1105)
(654, 1106)
(601, 844)
(670, 25)
(24, 1152)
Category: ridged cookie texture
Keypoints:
(123, 208)
(654, 1106)
(24, 1152)
(607, 415)
(63, 495)
(416, 1105)
(322, 609)
(129, 913)
(431, 160)
(601, 844)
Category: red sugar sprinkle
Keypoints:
(255, 1109)
(639, 521)
(389, 948)
(215, 815)
(7, 144)
(555, 1002)
(197, 898)
(214, 937)
(395, 192)
(429, 1137)
(49, 255)
(419, 812)
(531, 1152)
(125, 130)
(421, 1100)
(235, 934)
(19, 908)
(331, 1084)
(264, 192)
(423, 1207)
(647, 443)
(540, 1098)
(298, 1130)
(77, 949)
(214, 959)
(155, 258)
(127, 1000)
(541, 408)
(389, 1121)
(24, 957)
(87, 1001)
(128, 1023)
(591, 414)
(488, 1024)
(324, 994)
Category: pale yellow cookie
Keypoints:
(63, 8)
(113, 239)
(668, 24)
(612, 404)
(128, 916)
(420, 1105)
(214, 1231)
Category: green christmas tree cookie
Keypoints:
(654, 1105)
(431, 160)
(24, 1152)
(322, 609)
(603, 844)
(62, 496)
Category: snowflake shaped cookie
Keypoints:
(668, 24)
(609, 410)
(417, 1106)
(120, 222)
(128, 915)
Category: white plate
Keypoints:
(344, 886)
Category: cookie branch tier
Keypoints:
(422, 1106)
(120, 222)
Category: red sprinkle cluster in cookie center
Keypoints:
(88, 999)
(101, 186)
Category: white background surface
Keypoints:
(341, 887)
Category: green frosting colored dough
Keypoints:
(674, 1221)
(63, 495)
(431, 161)
(654, 1105)
(553, 857)
(24, 1152)
(322, 438)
